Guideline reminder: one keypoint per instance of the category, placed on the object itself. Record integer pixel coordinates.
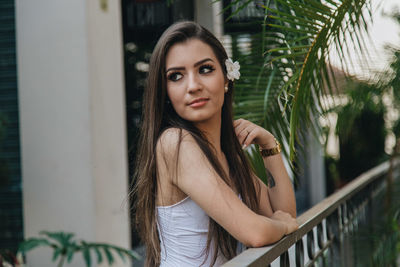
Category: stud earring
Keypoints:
(226, 88)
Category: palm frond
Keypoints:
(65, 247)
(293, 54)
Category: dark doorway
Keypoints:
(143, 23)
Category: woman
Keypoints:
(196, 196)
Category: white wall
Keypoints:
(72, 119)
(108, 122)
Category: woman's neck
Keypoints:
(212, 131)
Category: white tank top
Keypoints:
(183, 230)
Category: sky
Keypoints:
(383, 31)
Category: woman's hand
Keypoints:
(285, 218)
(279, 195)
(250, 133)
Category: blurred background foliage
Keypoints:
(368, 125)
(287, 77)
(361, 131)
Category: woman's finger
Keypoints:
(239, 125)
(250, 133)
(241, 130)
(245, 132)
(253, 133)
(242, 135)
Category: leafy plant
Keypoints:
(394, 81)
(365, 121)
(65, 247)
(361, 130)
(298, 38)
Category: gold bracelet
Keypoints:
(271, 151)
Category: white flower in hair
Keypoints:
(232, 69)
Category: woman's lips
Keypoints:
(198, 102)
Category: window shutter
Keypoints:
(11, 226)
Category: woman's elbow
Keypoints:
(263, 237)
(256, 243)
(260, 241)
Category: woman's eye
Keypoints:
(206, 69)
(176, 76)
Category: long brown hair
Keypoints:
(158, 116)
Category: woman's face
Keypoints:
(195, 81)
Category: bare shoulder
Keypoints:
(175, 148)
(173, 138)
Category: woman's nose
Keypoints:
(194, 83)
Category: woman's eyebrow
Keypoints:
(195, 65)
(202, 61)
(174, 68)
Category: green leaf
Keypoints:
(267, 90)
(279, 49)
(70, 253)
(239, 7)
(98, 253)
(56, 254)
(108, 254)
(86, 256)
(32, 243)
(257, 163)
(61, 237)
(293, 29)
(121, 254)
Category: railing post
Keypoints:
(284, 259)
(333, 234)
(310, 245)
(299, 253)
(320, 236)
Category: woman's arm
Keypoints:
(196, 178)
(280, 191)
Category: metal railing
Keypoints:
(325, 230)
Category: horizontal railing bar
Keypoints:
(259, 257)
